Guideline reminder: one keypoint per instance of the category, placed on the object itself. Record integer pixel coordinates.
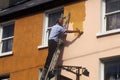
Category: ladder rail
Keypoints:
(53, 61)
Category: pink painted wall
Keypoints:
(86, 50)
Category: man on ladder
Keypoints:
(55, 33)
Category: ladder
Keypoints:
(53, 62)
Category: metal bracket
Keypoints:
(75, 70)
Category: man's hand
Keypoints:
(80, 32)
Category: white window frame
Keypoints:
(5, 79)
(101, 74)
(1, 32)
(46, 28)
(103, 31)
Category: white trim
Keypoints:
(6, 54)
(45, 31)
(107, 33)
(8, 38)
(42, 46)
(101, 71)
(114, 12)
(103, 26)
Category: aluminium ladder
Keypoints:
(52, 63)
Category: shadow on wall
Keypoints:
(78, 71)
(67, 43)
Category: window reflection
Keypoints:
(112, 70)
(112, 5)
(113, 21)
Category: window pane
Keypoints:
(7, 45)
(112, 5)
(53, 17)
(113, 22)
(112, 70)
(8, 31)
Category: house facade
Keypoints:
(24, 31)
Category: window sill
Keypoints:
(42, 46)
(6, 54)
(102, 34)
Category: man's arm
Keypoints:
(74, 31)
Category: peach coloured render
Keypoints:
(88, 49)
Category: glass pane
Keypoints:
(53, 17)
(112, 5)
(113, 22)
(7, 45)
(8, 31)
(112, 70)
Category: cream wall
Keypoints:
(86, 50)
